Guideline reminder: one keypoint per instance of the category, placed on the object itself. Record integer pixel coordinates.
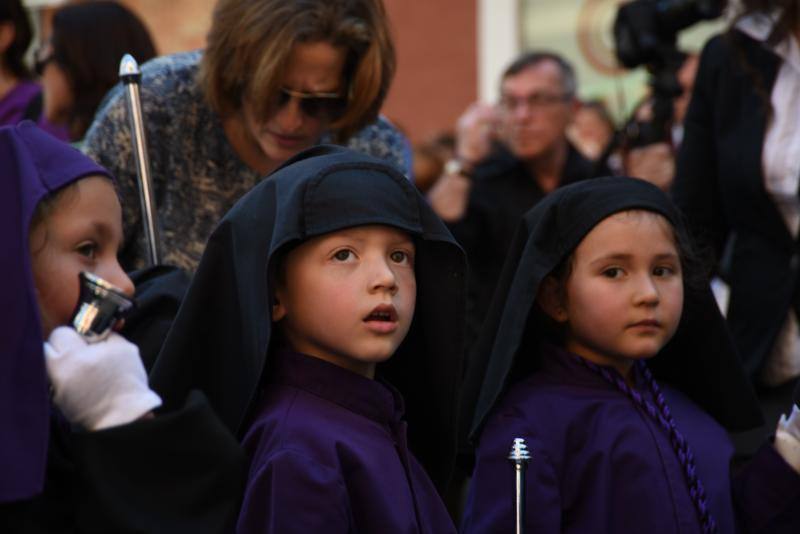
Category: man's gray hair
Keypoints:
(569, 82)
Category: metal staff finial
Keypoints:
(519, 457)
(131, 77)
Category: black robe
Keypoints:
(177, 472)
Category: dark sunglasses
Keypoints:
(322, 106)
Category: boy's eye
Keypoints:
(400, 256)
(88, 249)
(342, 255)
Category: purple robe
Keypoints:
(32, 165)
(328, 453)
(600, 464)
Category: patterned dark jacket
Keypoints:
(197, 177)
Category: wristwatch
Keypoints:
(456, 166)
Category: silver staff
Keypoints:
(131, 77)
(519, 457)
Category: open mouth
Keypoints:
(383, 313)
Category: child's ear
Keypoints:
(550, 300)
(278, 309)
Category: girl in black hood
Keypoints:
(599, 282)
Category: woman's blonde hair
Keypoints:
(250, 43)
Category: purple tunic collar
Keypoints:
(373, 399)
(563, 367)
(34, 164)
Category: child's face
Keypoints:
(624, 296)
(348, 297)
(82, 233)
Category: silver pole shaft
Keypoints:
(519, 457)
(131, 78)
(519, 502)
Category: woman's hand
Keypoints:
(98, 385)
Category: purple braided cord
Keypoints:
(663, 417)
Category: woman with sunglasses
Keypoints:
(276, 77)
(80, 62)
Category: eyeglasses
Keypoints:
(41, 57)
(533, 100)
(322, 106)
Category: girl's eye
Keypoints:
(342, 255)
(663, 271)
(612, 272)
(88, 250)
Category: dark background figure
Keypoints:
(737, 179)
(17, 89)
(430, 157)
(79, 63)
(655, 161)
(592, 129)
(509, 157)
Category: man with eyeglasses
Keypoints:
(509, 156)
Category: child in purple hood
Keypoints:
(91, 455)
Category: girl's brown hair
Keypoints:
(250, 42)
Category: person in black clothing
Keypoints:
(509, 157)
(737, 183)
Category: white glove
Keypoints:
(99, 385)
(787, 438)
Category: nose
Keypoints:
(115, 275)
(290, 117)
(523, 111)
(646, 291)
(382, 277)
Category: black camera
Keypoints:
(645, 33)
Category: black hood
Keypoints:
(220, 341)
(700, 359)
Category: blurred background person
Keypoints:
(276, 77)
(17, 89)
(655, 161)
(592, 129)
(430, 157)
(737, 179)
(509, 157)
(79, 63)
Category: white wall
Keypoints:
(498, 43)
